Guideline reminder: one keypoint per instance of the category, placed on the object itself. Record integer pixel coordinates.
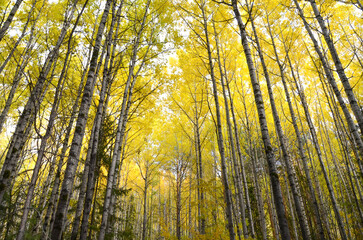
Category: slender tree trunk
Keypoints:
(300, 210)
(235, 210)
(341, 178)
(339, 67)
(94, 145)
(261, 211)
(82, 189)
(144, 218)
(272, 211)
(53, 113)
(332, 82)
(318, 151)
(341, 185)
(41, 153)
(227, 191)
(111, 221)
(241, 159)
(322, 208)
(127, 99)
(14, 85)
(340, 132)
(254, 159)
(198, 149)
(291, 206)
(91, 172)
(301, 149)
(111, 74)
(270, 156)
(190, 224)
(201, 204)
(49, 217)
(93, 213)
(23, 33)
(178, 205)
(9, 19)
(231, 142)
(75, 150)
(47, 186)
(27, 117)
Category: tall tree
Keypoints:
(274, 176)
(75, 150)
(28, 115)
(227, 191)
(339, 66)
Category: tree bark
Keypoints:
(332, 82)
(227, 191)
(270, 156)
(94, 144)
(53, 113)
(231, 143)
(9, 19)
(27, 117)
(127, 99)
(339, 67)
(301, 148)
(75, 150)
(295, 190)
(318, 151)
(41, 153)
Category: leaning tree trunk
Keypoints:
(322, 207)
(241, 159)
(75, 150)
(127, 100)
(53, 114)
(332, 82)
(49, 217)
(41, 153)
(111, 74)
(55, 190)
(227, 191)
(320, 158)
(339, 67)
(89, 184)
(295, 191)
(116, 185)
(270, 156)
(231, 143)
(27, 117)
(344, 136)
(23, 33)
(254, 159)
(9, 19)
(14, 86)
(39, 161)
(82, 189)
(302, 151)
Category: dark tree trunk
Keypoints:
(9, 19)
(75, 150)
(270, 156)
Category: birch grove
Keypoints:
(200, 119)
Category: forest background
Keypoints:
(140, 119)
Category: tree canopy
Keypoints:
(198, 119)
